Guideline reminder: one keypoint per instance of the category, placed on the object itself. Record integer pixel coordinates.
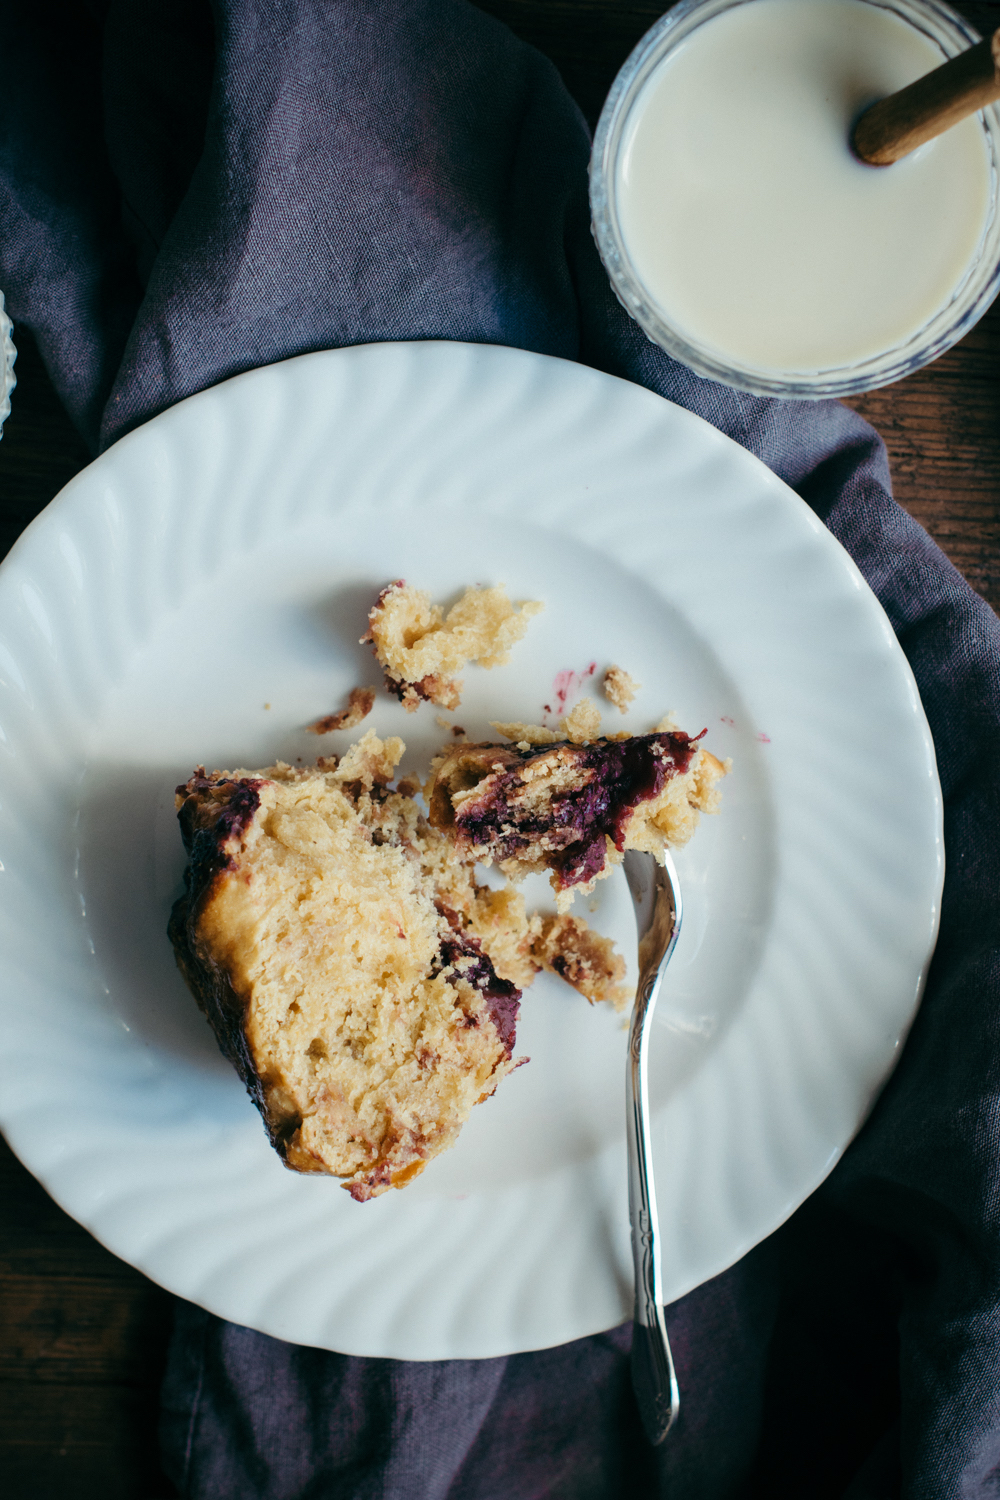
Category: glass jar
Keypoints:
(969, 300)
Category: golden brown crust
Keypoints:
(213, 813)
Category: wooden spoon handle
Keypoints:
(898, 125)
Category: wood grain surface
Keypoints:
(82, 1336)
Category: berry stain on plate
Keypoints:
(566, 685)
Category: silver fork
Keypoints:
(656, 896)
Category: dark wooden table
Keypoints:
(82, 1336)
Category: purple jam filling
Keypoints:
(206, 845)
(503, 999)
(622, 775)
(580, 865)
(239, 811)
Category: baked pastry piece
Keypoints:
(365, 987)
(420, 648)
(571, 808)
(324, 931)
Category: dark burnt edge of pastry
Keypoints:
(209, 846)
(626, 774)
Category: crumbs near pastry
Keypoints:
(359, 705)
(620, 688)
(455, 730)
(526, 734)
(420, 648)
(589, 962)
(580, 726)
(583, 723)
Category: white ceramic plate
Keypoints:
(8, 354)
(197, 595)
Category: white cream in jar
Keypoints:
(746, 218)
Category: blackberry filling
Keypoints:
(571, 809)
(464, 955)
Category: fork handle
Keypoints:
(653, 1378)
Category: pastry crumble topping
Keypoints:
(583, 723)
(590, 963)
(420, 648)
(528, 734)
(620, 688)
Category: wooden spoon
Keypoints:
(899, 124)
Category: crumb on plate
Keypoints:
(359, 705)
(620, 688)
(420, 648)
